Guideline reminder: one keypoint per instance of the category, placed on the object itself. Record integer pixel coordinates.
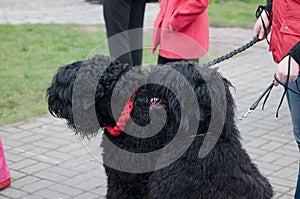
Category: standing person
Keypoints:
(4, 171)
(124, 21)
(284, 16)
(181, 30)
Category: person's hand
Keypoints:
(258, 28)
(282, 70)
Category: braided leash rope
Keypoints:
(123, 119)
(232, 53)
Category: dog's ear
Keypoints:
(74, 88)
(59, 94)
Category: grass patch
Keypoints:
(30, 55)
(233, 13)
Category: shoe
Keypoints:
(5, 184)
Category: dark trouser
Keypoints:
(124, 21)
(163, 60)
(294, 106)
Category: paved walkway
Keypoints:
(47, 161)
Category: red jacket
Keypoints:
(285, 27)
(190, 37)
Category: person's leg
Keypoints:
(294, 105)
(117, 18)
(297, 192)
(163, 60)
(136, 30)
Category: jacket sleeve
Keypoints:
(295, 53)
(186, 13)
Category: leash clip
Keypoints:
(245, 115)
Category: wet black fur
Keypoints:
(226, 172)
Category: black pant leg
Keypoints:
(136, 33)
(163, 60)
(117, 19)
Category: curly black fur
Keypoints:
(227, 170)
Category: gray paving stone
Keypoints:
(28, 126)
(22, 164)
(12, 193)
(45, 144)
(87, 195)
(278, 138)
(286, 161)
(32, 138)
(286, 173)
(35, 168)
(292, 153)
(281, 181)
(25, 181)
(257, 142)
(269, 157)
(62, 171)
(36, 186)
(50, 194)
(54, 177)
(32, 197)
(66, 190)
(254, 150)
(16, 174)
(271, 146)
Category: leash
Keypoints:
(232, 53)
(123, 119)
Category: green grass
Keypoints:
(31, 54)
(233, 13)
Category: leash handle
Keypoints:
(256, 102)
(268, 90)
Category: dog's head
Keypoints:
(81, 92)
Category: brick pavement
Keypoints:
(47, 161)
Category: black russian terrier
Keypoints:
(169, 131)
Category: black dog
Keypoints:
(184, 145)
